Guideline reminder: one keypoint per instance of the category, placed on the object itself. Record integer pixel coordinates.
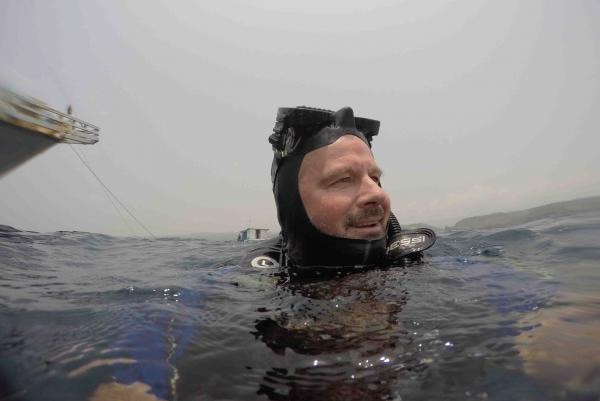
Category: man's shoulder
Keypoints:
(266, 254)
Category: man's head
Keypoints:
(331, 207)
(340, 190)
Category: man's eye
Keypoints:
(342, 180)
(375, 178)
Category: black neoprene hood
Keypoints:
(297, 132)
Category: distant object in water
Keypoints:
(253, 234)
(28, 127)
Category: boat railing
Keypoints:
(35, 115)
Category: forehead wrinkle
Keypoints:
(331, 160)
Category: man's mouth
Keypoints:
(367, 223)
(367, 229)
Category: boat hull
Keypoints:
(17, 145)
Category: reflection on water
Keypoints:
(350, 333)
(511, 314)
(115, 391)
(562, 349)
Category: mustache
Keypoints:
(364, 215)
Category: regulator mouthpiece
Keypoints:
(409, 242)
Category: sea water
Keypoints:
(503, 314)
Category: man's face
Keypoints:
(339, 187)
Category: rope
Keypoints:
(112, 194)
(110, 198)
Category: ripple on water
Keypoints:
(89, 317)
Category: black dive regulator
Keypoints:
(404, 243)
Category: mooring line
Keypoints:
(112, 194)
(110, 198)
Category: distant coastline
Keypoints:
(551, 210)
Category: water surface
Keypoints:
(507, 314)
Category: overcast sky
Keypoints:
(485, 106)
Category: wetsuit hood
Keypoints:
(297, 132)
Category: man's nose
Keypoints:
(371, 193)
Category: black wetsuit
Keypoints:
(265, 254)
(402, 246)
